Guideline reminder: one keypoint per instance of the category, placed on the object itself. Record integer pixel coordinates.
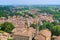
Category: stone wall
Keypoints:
(17, 37)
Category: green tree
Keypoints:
(33, 25)
(55, 30)
(7, 27)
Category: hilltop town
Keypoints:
(28, 23)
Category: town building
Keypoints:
(23, 33)
(43, 35)
(55, 37)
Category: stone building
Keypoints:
(4, 36)
(56, 38)
(43, 35)
(23, 33)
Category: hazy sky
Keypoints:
(28, 2)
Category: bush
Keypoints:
(9, 39)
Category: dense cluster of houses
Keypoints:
(23, 31)
(42, 15)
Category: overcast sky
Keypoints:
(29, 2)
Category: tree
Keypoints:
(33, 25)
(55, 23)
(7, 27)
(55, 30)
